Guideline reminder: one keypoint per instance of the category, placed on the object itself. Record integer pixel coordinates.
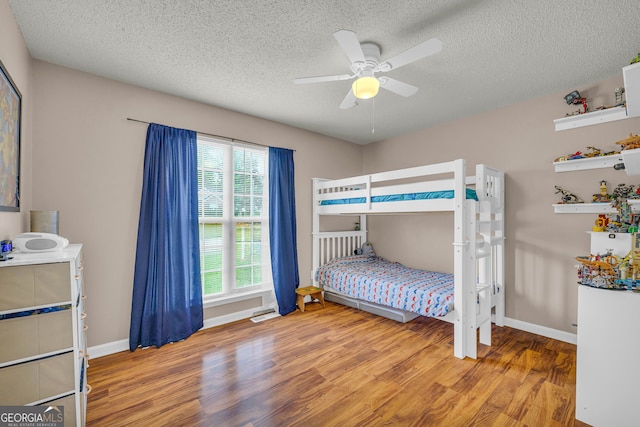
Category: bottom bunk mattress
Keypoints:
(389, 283)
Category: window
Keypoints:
(233, 218)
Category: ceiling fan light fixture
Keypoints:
(365, 87)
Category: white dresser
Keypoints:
(43, 358)
(608, 370)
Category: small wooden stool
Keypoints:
(312, 291)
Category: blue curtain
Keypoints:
(282, 226)
(167, 296)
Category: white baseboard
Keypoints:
(122, 345)
(542, 330)
(108, 348)
(233, 317)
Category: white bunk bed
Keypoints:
(478, 245)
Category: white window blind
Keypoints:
(233, 216)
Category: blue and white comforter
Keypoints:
(378, 280)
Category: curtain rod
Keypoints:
(213, 135)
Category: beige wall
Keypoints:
(15, 57)
(88, 161)
(540, 246)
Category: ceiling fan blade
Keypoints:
(320, 79)
(349, 100)
(413, 54)
(397, 86)
(350, 45)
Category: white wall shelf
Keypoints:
(631, 75)
(631, 160)
(591, 118)
(583, 208)
(600, 162)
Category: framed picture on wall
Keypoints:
(10, 122)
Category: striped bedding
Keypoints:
(470, 194)
(378, 280)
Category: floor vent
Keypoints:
(261, 312)
(264, 317)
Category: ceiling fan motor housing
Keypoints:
(371, 53)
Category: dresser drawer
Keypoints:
(36, 334)
(30, 382)
(33, 285)
(69, 404)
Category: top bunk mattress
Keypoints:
(470, 194)
(384, 282)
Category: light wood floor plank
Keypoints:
(336, 366)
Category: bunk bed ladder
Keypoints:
(478, 273)
(315, 257)
(464, 295)
(490, 188)
(484, 253)
(470, 287)
(498, 269)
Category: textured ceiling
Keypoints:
(243, 55)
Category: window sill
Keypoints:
(228, 299)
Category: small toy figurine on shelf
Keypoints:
(593, 152)
(630, 265)
(576, 155)
(601, 223)
(626, 221)
(603, 196)
(619, 96)
(627, 270)
(629, 143)
(599, 271)
(625, 191)
(575, 98)
(635, 255)
(610, 271)
(567, 197)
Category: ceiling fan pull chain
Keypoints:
(373, 116)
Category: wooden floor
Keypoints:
(336, 366)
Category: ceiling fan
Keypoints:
(365, 63)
